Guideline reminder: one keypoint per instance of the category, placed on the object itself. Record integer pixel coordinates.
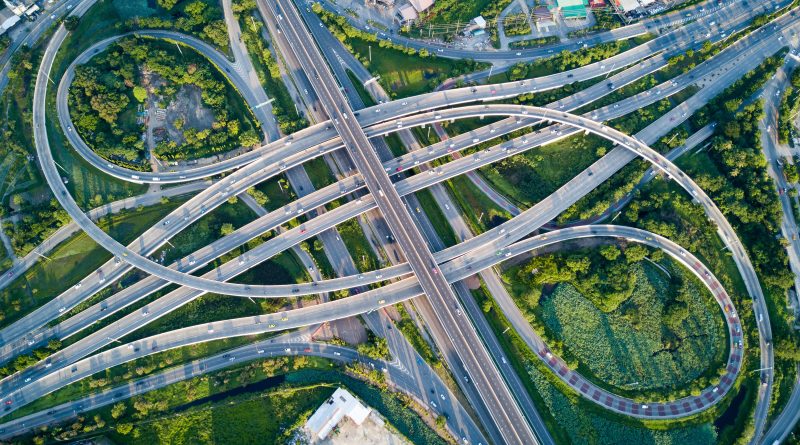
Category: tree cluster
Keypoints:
(199, 17)
(567, 60)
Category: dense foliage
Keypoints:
(104, 94)
(567, 60)
(620, 318)
(790, 102)
(200, 17)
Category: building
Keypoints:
(573, 9)
(406, 14)
(421, 5)
(18, 7)
(327, 416)
(597, 4)
(384, 3)
(7, 20)
(475, 26)
(543, 18)
(629, 5)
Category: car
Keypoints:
(337, 353)
(442, 396)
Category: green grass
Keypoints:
(360, 90)
(259, 420)
(71, 261)
(637, 350)
(111, 17)
(323, 264)
(437, 218)
(405, 75)
(530, 177)
(571, 419)
(395, 145)
(356, 242)
(480, 211)
(319, 173)
(414, 336)
(278, 192)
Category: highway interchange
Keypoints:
(288, 152)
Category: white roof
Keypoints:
(421, 5)
(480, 21)
(646, 2)
(407, 13)
(327, 416)
(7, 20)
(628, 5)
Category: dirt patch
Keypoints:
(372, 431)
(473, 282)
(188, 111)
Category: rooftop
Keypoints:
(326, 417)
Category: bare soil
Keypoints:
(188, 106)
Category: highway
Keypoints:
(773, 152)
(393, 293)
(377, 113)
(651, 25)
(690, 36)
(463, 161)
(229, 289)
(502, 406)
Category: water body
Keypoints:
(728, 418)
(259, 386)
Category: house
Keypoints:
(18, 7)
(421, 5)
(340, 405)
(7, 20)
(406, 14)
(627, 5)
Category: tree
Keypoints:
(249, 138)
(635, 253)
(226, 229)
(610, 252)
(217, 33)
(168, 4)
(139, 93)
(71, 22)
(118, 410)
(441, 420)
(124, 428)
